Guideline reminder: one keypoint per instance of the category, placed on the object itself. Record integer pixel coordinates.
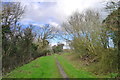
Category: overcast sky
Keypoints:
(54, 12)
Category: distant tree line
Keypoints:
(57, 48)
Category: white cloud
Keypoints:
(57, 10)
(54, 24)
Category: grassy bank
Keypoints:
(78, 64)
(43, 67)
(71, 71)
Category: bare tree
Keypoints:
(11, 13)
(44, 34)
(84, 27)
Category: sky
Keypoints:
(54, 12)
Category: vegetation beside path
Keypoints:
(71, 71)
(76, 68)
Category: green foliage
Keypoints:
(113, 22)
(108, 61)
(58, 48)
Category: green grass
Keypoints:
(71, 71)
(74, 60)
(43, 67)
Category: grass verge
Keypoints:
(75, 61)
(43, 67)
(71, 71)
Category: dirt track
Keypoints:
(61, 70)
